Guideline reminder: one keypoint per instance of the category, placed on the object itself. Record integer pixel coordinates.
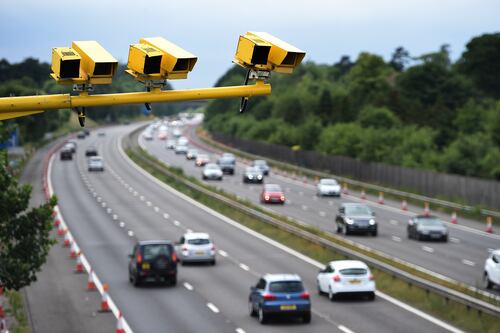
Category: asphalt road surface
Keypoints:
(207, 298)
(461, 259)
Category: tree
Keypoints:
(400, 58)
(480, 63)
(377, 117)
(325, 107)
(24, 234)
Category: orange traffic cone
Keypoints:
(74, 251)
(363, 195)
(454, 219)
(61, 231)
(79, 265)
(381, 198)
(345, 189)
(66, 242)
(119, 323)
(90, 281)
(404, 205)
(104, 299)
(57, 222)
(427, 210)
(489, 225)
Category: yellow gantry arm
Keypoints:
(12, 107)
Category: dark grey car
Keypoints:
(356, 218)
(427, 227)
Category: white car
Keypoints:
(170, 144)
(491, 276)
(95, 163)
(147, 135)
(195, 247)
(181, 149)
(346, 276)
(328, 187)
(211, 171)
(182, 141)
(177, 133)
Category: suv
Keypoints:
(153, 260)
(279, 294)
(226, 164)
(491, 274)
(356, 217)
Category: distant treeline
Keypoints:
(31, 77)
(424, 112)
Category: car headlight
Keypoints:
(372, 222)
(349, 220)
(259, 177)
(250, 176)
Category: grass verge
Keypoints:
(448, 310)
(17, 311)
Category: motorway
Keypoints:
(461, 259)
(107, 212)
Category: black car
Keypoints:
(66, 154)
(253, 175)
(227, 165)
(427, 227)
(356, 218)
(91, 151)
(153, 261)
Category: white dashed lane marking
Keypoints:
(454, 240)
(166, 216)
(344, 329)
(428, 249)
(244, 267)
(468, 262)
(396, 238)
(188, 286)
(223, 253)
(213, 307)
(394, 222)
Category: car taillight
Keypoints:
(371, 277)
(174, 256)
(266, 197)
(305, 295)
(139, 259)
(282, 198)
(268, 297)
(336, 278)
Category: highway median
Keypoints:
(446, 299)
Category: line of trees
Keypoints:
(422, 112)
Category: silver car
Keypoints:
(181, 149)
(170, 144)
(195, 247)
(427, 227)
(328, 187)
(211, 171)
(95, 163)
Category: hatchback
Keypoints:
(195, 247)
(279, 294)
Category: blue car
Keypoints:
(279, 295)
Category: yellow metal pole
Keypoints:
(11, 107)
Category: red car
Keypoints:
(201, 160)
(272, 193)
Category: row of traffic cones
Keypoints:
(75, 253)
(427, 212)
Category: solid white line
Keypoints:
(427, 249)
(188, 286)
(244, 267)
(468, 262)
(396, 238)
(344, 329)
(213, 307)
(274, 243)
(223, 253)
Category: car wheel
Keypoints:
(173, 281)
(371, 296)
(331, 295)
(445, 239)
(408, 234)
(137, 280)
(183, 262)
(251, 309)
(346, 232)
(320, 292)
(418, 236)
(375, 233)
(213, 262)
(306, 318)
(339, 229)
(262, 316)
(487, 284)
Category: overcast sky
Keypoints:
(326, 30)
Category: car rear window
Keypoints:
(286, 287)
(199, 241)
(273, 188)
(151, 251)
(353, 271)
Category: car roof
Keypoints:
(341, 264)
(197, 235)
(154, 242)
(281, 277)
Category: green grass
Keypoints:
(436, 305)
(17, 311)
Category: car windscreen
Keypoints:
(353, 271)
(151, 251)
(226, 161)
(286, 287)
(260, 162)
(95, 159)
(198, 241)
(429, 222)
(358, 210)
(328, 182)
